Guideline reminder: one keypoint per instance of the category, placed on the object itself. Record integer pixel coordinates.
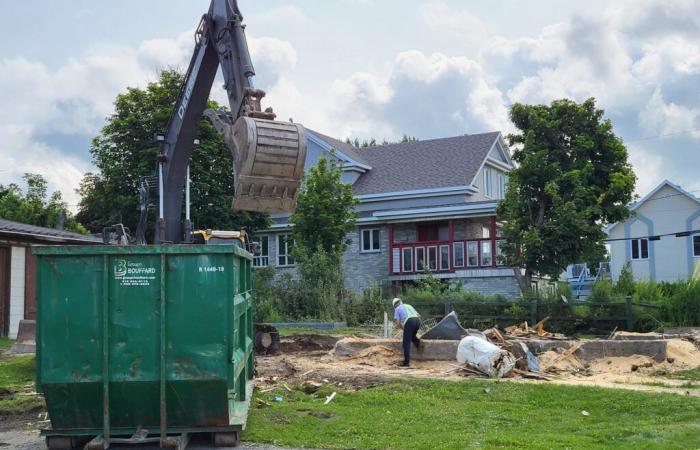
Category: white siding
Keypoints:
(479, 183)
(16, 289)
(669, 211)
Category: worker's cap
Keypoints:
(395, 302)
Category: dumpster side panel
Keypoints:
(70, 341)
(169, 327)
(134, 330)
(199, 291)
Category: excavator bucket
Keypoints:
(269, 161)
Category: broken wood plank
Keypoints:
(329, 398)
(532, 375)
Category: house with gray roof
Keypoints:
(425, 207)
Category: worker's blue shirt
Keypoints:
(404, 312)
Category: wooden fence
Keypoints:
(621, 315)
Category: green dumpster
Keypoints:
(144, 343)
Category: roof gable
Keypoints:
(650, 196)
(661, 185)
(345, 151)
(430, 164)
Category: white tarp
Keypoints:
(485, 357)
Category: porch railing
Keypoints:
(445, 256)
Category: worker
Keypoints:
(406, 317)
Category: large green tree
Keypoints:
(35, 206)
(324, 212)
(125, 152)
(323, 217)
(572, 178)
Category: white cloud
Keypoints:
(74, 99)
(425, 95)
(661, 118)
(459, 24)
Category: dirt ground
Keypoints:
(313, 361)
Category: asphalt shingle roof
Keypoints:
(430, 164)
(348, 149)
(50, 234)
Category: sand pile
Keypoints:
(680, 355)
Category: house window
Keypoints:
(488, 185)
(486, 258)
(431, 232)
(407, 259)
(458, 254)
(420, 259)
(262, 259)
(640, 248)
(502, 184)
(285, 244)
(444, 257)
(472, 254)
(432, 258)
(696, 246)
(369, 241)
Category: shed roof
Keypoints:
(19, 230)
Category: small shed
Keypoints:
(18, 268)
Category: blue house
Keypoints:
(425, 207)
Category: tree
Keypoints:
(35, 206)
(323, 217)
(572, 178)
(125, 152)
(372, 142)
(324, 213)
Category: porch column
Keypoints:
(492, 234)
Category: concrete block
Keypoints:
(590, 350)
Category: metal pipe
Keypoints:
(160, 191)
(187, 194)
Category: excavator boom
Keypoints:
(268, 155)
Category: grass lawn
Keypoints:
(16, 384)
(690, 374)
(418, 414)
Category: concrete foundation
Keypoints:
(432, 350)
(447, 350)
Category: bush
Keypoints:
(264, 304)
(603, 290)
(625, 283)
(647, 292)
(366, 308)
(683, 308)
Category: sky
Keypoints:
(362, 68)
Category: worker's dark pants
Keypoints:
(410, 330)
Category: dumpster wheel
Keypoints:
(229, 439)
(61, 442)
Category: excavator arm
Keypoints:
(268, 155)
